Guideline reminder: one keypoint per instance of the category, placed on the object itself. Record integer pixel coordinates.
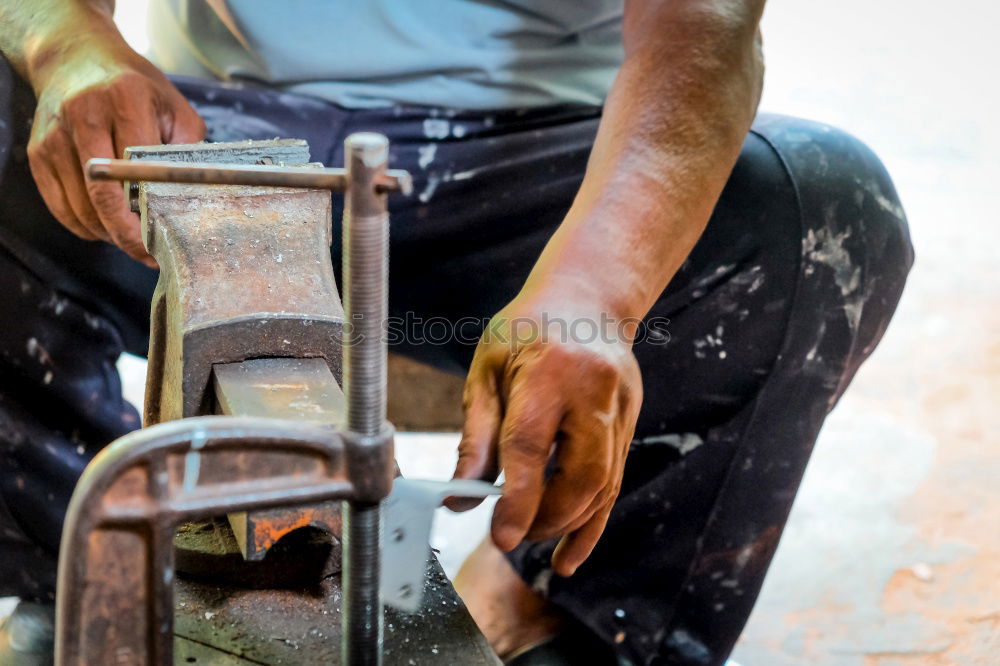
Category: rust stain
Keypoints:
(268, 527)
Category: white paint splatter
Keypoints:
(38, 352)
(604, 417)
(720, 270)
(883, 201)
(426, 155)
(541, 582)
(685, 443)
(436, 128)
(824, 247)
(852, 310)
(433, 180)
(465, 175)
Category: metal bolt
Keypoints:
(133, 195)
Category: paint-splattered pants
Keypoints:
(785, 295)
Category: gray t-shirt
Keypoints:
(476, 54)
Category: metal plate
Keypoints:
(408, 516)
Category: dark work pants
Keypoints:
(787, 292)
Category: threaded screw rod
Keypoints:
(365, 275)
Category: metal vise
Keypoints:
(244, 413)
(217, 307)
(244, 274)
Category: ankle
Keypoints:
(510, 614)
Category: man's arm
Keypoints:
(671, 131)
(95, 97)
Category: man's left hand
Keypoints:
(556, 411)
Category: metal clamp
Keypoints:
(116, 572)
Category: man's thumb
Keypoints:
(477, 452)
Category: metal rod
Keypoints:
(365, 274)
(252, 174)
(207, 173)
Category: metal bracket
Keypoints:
(406, 523)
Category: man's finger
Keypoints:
(526, 439)
(606, 495)
(67, 168)
(108, 198)
(477, 452)
(181, 123)
(54, 197)
(575, 548)
(586, 459)
(140, 129)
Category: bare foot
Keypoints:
(510, 614)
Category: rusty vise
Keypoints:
(250, 441)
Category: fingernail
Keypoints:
(459, 504)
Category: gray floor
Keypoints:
(892, 555)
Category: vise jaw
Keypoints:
(245, 273)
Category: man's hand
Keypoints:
(96, 97)
(556, 415)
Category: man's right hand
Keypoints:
(96, 96)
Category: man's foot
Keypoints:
(510, 614)
(27, 636)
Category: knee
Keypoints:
(843, 187)
(852, 217)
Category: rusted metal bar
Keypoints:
(202, 173)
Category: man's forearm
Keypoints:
(32, 32)
(671, 131)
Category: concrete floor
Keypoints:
(892, 554)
